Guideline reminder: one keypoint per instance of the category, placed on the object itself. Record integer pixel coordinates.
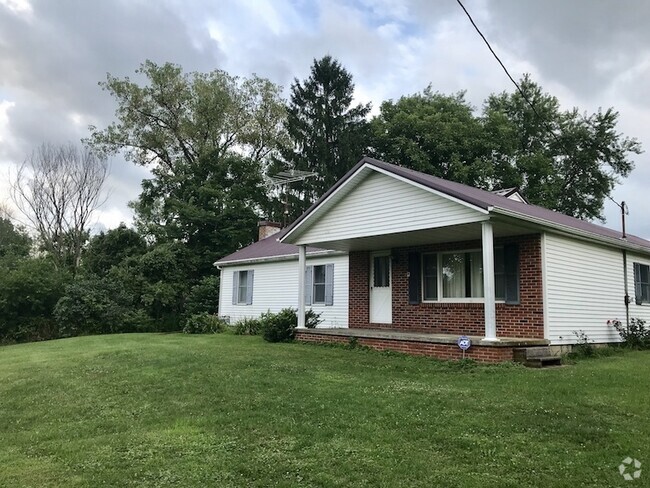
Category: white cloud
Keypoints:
(19, 7)
(588, 54)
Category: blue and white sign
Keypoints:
(464, 343)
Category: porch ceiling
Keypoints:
(456, 233)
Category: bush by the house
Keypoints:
(312, 319)
(248, 326)
(636, 336)
(204, 323)
(279, 327)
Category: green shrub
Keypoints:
(248, 326)
(203, 297)
(312, 319)
(279, 327)
(29, 291)
(204, 323)
(90, 305)
(636, 336)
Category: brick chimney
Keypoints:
(268, 228)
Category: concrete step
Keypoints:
(543, 362)
(536, 357)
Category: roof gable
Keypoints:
(473, 197)
(382, 203)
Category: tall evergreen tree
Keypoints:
(328, 135)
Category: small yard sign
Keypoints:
(464, 343)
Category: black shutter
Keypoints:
(638, 293)
(511, 268)
(414, 278)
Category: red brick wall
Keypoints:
(441, 351)
(523, 320)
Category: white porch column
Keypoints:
(302, 265)
(487, 242)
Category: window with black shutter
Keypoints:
(641, 283)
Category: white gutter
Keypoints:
(283, 257)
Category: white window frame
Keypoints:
(440, 298)
(249, 273)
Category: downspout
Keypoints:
(625, 284)
(627, 295)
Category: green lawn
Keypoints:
(224, 410)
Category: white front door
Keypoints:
(381, 298)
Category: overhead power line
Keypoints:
(548, 128)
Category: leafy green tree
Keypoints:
(92, 305)
(562, 159)
(328, 134)
(207, 138)
(214, 206)
(203, 297)
(436, 134)
(29, 291)
(110, 248)
(14, 241)
(157, 283)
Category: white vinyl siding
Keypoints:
(276, 287)
(381, 204)
(584, 289)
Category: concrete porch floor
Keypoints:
(397, 335)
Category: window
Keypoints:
(641, 283)
(459, 275)
(242, 287)
(381, 271)
(430, 276)
(319, 285)
(462, 275)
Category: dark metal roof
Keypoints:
(485, 200)
(264, 249)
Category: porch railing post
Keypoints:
(487, 242)
(302, 265)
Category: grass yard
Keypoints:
(151, 410)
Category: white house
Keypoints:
(431, 259)
(264, 277)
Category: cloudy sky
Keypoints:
(589, 53)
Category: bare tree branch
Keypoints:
(58, 189)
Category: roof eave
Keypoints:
(270, 259)
(572, 231)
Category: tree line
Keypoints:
(212, 141)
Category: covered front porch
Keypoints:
(426, 264)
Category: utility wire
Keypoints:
(521, 92)
(549, 129)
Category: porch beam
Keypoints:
(302, 266)
(487, 243)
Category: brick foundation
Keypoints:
(525, 319)
(483, 354)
